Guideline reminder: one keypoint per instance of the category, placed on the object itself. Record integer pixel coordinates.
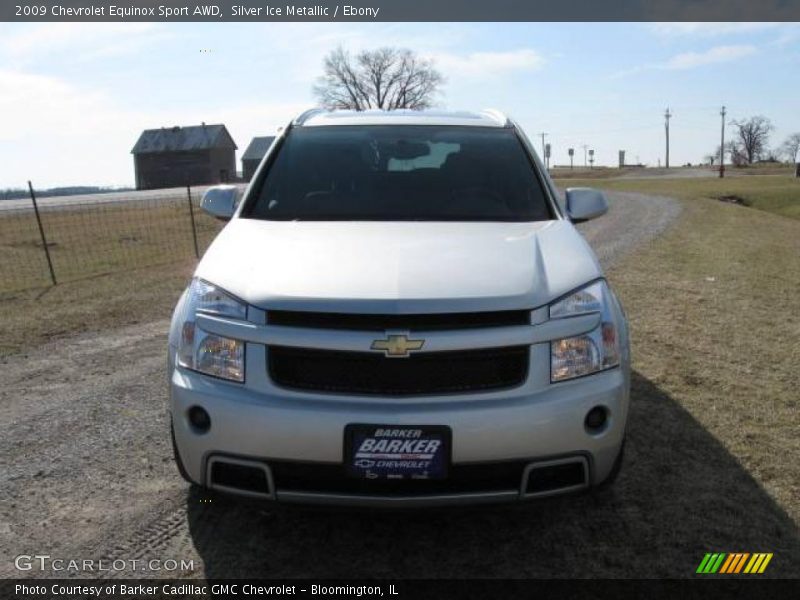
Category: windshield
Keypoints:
(399, 173)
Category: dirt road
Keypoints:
(87, 473)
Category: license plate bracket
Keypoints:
(397, 452)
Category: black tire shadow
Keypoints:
(679, 495)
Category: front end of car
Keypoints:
(401, 408)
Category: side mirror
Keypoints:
(585, 203)
(220, 201)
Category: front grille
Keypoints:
(367, 373)
(421, 322)
(332, 479)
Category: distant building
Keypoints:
(178, 156)
(252, 156)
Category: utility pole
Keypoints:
(543, 155)
(722, 146)
(667, 117)
(584, 154)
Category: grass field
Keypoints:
(715, 319)
(776, 193)
(585, 173)
(96, 239)
(117, 263)
(31, 317)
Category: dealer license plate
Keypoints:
(397, 452)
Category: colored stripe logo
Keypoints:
(734, 563)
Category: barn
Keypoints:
(177, 156)
(252, 156)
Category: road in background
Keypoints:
(105, 198)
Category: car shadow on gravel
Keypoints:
(680, 494)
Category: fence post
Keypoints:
(191, 217)
(41, 233)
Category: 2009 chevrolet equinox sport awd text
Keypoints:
(399, 312)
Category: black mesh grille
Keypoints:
(423, 322)
(420, 374)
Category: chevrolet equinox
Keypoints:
(399, 312)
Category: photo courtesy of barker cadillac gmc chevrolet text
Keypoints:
(400, 312)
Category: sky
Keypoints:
(74, 97)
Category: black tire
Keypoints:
(177, 456)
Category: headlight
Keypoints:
(591, 352)
(206, 352)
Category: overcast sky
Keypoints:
(74, 97)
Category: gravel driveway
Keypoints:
(87, 472)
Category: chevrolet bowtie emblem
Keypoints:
(397, 346)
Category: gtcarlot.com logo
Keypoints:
(44, 562)
(734, 563)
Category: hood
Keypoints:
(398, 267)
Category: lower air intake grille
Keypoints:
(463, 371)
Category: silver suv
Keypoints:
(399, 312)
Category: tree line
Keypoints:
(750, 144)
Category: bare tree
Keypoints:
(734, 149)
(386, 78)
(710, 158)
(791, 148)
(751, 137)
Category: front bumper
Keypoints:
(535, 424)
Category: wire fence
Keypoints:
(74, 237)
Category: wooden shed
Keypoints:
(177, 156)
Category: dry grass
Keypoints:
(561, 172)
(116, 263)
(34, 316)
(94, 239)
(761, 169)
(778, 194)
(715, 319)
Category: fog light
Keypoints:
(596, 418)
(199, 419)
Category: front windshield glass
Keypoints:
(398, 173)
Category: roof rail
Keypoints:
(305, 115)
(497, 116)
